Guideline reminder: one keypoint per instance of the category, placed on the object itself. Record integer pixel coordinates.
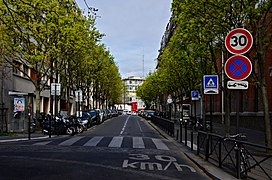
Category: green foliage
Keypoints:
(53, 38)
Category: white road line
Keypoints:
(138, 142)
(94, 141)
(42, 143)
(124, 127)
(139, 126)
(159, 144)
(116, 141)
(71, 141)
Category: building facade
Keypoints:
(132, 83)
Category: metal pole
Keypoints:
(211, 123)
(56, 102)
(29, 121)
(195, 113)
(237, 111)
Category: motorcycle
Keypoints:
(59, 125)
(77, 124)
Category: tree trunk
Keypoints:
(266, 117)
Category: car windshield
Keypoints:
(85, 115)
(92, 113)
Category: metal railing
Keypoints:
(239, 158)
(166, 125)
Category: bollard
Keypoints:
(180, 128)
(177, 134)
(185, 133)
(192, 140)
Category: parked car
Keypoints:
(125, 111)
(86, 120)
(148, 114)
(120, 111)
(114, 113)
(96, 115)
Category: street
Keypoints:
(124, 147)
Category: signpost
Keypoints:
(238, 67)
(195, 97)
(210, 83)
(79, 99)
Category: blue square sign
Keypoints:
(195, 95)
(210, 83)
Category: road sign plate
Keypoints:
(195, 95)
(238, 67)
(210, 83)
(238, 41)
(237, 85)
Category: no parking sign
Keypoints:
(238, 67)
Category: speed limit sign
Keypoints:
(238, 41)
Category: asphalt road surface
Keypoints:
(124, 147)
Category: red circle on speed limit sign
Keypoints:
(238, 41)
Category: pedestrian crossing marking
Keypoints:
(116, 141)
(71, 141)
(94, 141)
(42, 143)
(138, 142)
(211, 83)
(159, 144)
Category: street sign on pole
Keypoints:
(238, 41)
(55, 89)
(237, 85)
(238, 67)
(210, 83)
(78, 94)
(195, 95)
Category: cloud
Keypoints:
(133, 28)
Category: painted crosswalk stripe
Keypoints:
(42, 143)
(71, 141)
(116, 141)
(159, 144)
(94, 141)
(138, 142)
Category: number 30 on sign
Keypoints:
(238, 41)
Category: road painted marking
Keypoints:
(42, 143)
(159, 144)
(138, 142)
(94, 141)
(139, 126)
(124, 127)
(116, 141)
(152, 166)
(71, 141)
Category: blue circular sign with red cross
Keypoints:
(238, 67)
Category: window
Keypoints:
(16, 67)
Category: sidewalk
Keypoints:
(211, 170)
(23, 137)
(253, 136)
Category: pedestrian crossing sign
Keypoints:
(210, 83)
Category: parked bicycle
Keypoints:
(241, 152)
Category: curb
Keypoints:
(189, 155)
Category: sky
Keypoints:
(133, 31)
